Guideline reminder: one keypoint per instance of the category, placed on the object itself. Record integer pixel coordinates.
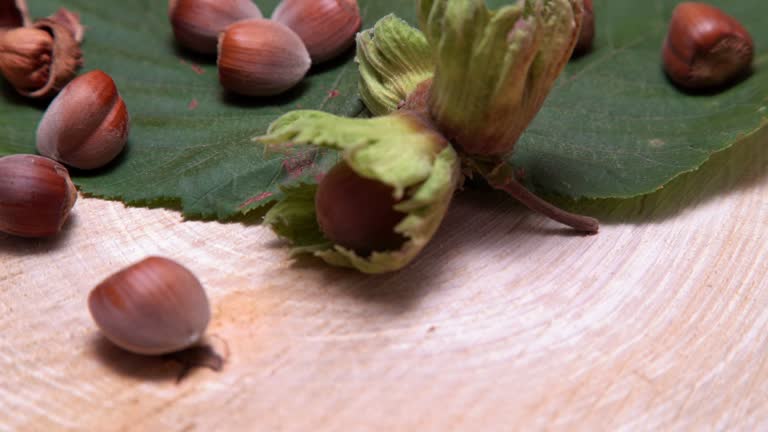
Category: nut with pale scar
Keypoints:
(86, 126)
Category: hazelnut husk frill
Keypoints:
(39, 59)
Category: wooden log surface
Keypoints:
(506, 322)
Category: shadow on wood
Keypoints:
(20, 246)
(175, 366)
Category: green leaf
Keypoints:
(613, 126)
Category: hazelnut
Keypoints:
(36, 196)
(13, 13)
(357, 213)
(155, 306)
(198, 23)
(705, 48)
(587, 33)
(39, 60)
(261, 58)
(327, 27)
(25, 57)
(86, 125)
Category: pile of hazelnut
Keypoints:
(157, 306)
(265, 57)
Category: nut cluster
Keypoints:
(158, 306)
(260, 57)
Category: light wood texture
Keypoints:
(507, 321)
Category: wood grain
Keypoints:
(507, 321)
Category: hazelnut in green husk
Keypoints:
(452, 101)
(381, 205)
(489, 74)
(494, 69)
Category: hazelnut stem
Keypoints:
(499, 176)
(502, 178)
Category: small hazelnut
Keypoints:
(36, 196)
(705, 48)
(327, 27)
(86, 126)
(260, 57)
(153, 307)
(587, 33)
(198, 23)
(357, 213)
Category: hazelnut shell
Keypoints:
(327, 27)
(198, 23)
(356, 212)
(705, 48)
(155, 306)
(36, 196)
(87, 124)
(261, 58)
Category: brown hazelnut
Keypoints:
(39, 60)
(261, 58)
(13, 13)
(327, 27)
(36, 196)
(705, 48)
(156, 306)
(587, 33)
(198, 23)
(356, 212)
(86, 126)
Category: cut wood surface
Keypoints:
(507, 321)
